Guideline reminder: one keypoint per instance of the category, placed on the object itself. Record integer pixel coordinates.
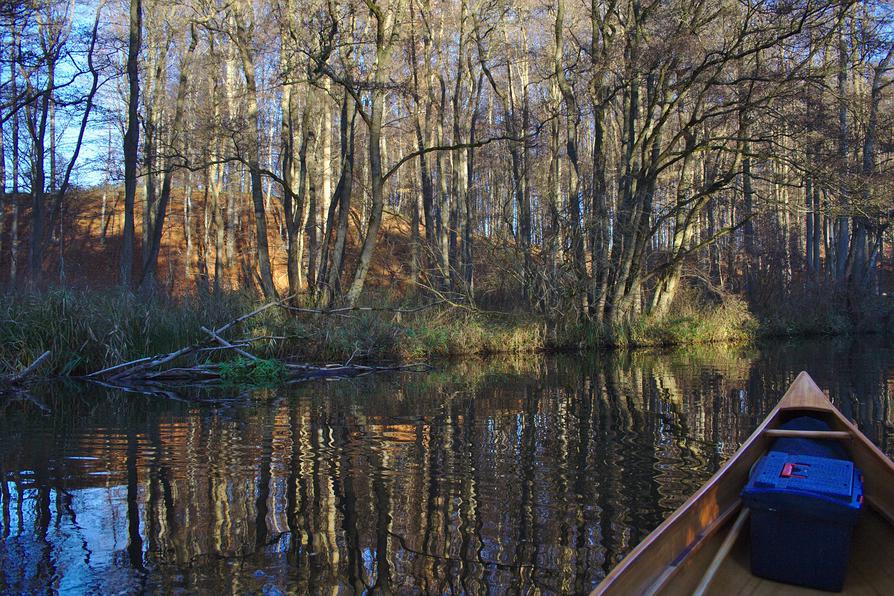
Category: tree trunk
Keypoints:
(599, 214)
(342, 200)
(38, 183)
(685, 223)
(378, 201)
(817, 233)
(748, 214)
(150, 262)
(58, 204)
(14, 224)
(2, 179)
(842, 231)
(187, 226)
(325, 182)
(861, 267)
(809, 246)
(243, 43)
(572, 118)
(312, 227)
(384, 39)
(131, 141)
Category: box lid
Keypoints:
(779, 471)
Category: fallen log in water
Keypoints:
(144, 367)
(23, 376)
(15, 387)
(194, 382)
(159, 375)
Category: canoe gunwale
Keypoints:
(694, 547)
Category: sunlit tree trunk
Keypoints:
(244, 24)
(863, 270)
(422, 90)
(152, 249)
(187, 226)
(572, 119)
(325, 180)
(685, 223)
(385, 31)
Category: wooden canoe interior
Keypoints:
(870, 569)
(674, 558)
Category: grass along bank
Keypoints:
(88, 331)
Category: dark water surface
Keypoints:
(509, 475)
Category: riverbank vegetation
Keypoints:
(86, 331)
(424, 179)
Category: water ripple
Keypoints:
(501, 480)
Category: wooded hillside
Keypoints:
(613, 149)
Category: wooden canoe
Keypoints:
(701, 547)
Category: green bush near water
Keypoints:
(729, 321)
(690, 321)
(255, 373)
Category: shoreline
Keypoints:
(87, 331)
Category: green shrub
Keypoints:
(253, 373)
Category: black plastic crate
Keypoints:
(803, 511)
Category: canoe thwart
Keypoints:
(808, 434)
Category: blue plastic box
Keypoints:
(803, 511)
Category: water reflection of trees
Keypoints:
(526, 473)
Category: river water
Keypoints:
(514, 474)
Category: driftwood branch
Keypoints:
(120, 366)
(14, 387)
(257, 311)
(204, 383)
(156, 361)
(343, 311)
(157, 375)
(135, 368)
(19, 378)
(227, 344)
